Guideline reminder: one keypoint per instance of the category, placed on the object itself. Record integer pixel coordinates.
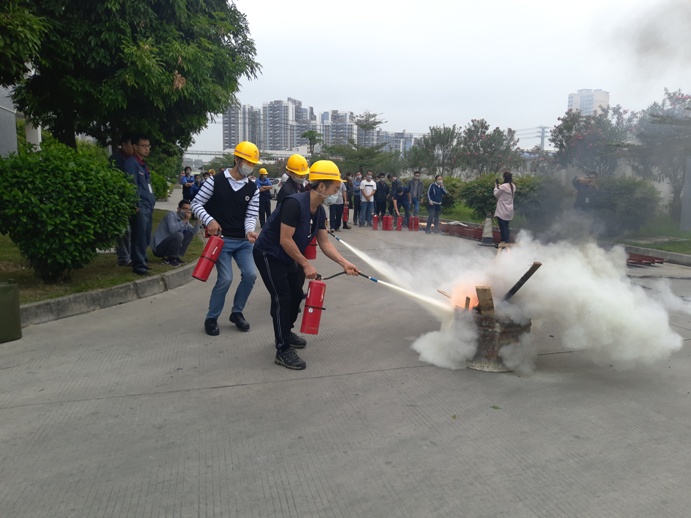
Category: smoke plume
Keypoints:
(581, 291)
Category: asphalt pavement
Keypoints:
(132, 411)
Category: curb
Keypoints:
(80, 303)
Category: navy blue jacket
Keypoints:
(269, 241)
(139, 175)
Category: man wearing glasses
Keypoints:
(174, 234)
(141, 221)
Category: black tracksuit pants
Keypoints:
(284, 284)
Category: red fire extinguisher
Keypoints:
(208, 259)
(314, 305)
(311, 250)
(346, 214)
(375, 221)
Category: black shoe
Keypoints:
(125, 264)
(346, 227)
(239, 321)
(171, 261)
(289, 359)
(180, 261)
(211, 327)
(140, 271)
(296, 341)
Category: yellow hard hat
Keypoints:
(263, 171)
(212, 171)
(247, 151)
(297, 164)
(324, 170)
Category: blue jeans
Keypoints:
(241, 251)
(366, 209)
(433, 212)
(416, 205)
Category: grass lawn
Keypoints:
(661, 234)
(102, 272)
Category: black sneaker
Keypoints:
(289, 359)
(180, 261)
(140, 271)
(296, 341)
(211, 327)
(239, 321)
(170, 261)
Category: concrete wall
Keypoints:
(8, 124)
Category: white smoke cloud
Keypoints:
(581, 290)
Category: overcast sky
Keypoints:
(434, 62)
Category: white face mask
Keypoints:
(246, 169)
(300, 180)
(330, 200)
(439, 182)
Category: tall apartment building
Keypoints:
(588, 101)
(396, 141)
(337, 127)
(241, 123)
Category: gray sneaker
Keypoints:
(296, 341)
(289, 359)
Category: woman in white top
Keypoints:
(504, 194)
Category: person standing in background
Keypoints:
(367, 189)
(141, 222)
(264, 185)
(117, 159)
(415, 190)
(356, 197)
(504, 193)
(186, 180)
(435, 194)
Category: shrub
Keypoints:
(160, 186)
(624, 205)
(478, 194)
(59, 206)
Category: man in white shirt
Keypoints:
(367, 189)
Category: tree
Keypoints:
(313, 137)
(437, 151)
(663, 135)
(21, 32)
(366, 123)
(220, 162)
(592, 142)
(488, 152)
(154, 67)
(352, 157)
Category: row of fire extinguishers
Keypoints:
(388, 223)
(314, 303)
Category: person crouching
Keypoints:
(279, 255)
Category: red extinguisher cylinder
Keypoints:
(208, 258)
(311, 250)
(375, 222)
(387, 222)
(346, 214)
(399, 223)
(314, 305)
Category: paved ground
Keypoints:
(133, 411)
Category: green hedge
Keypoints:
(60, 206)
